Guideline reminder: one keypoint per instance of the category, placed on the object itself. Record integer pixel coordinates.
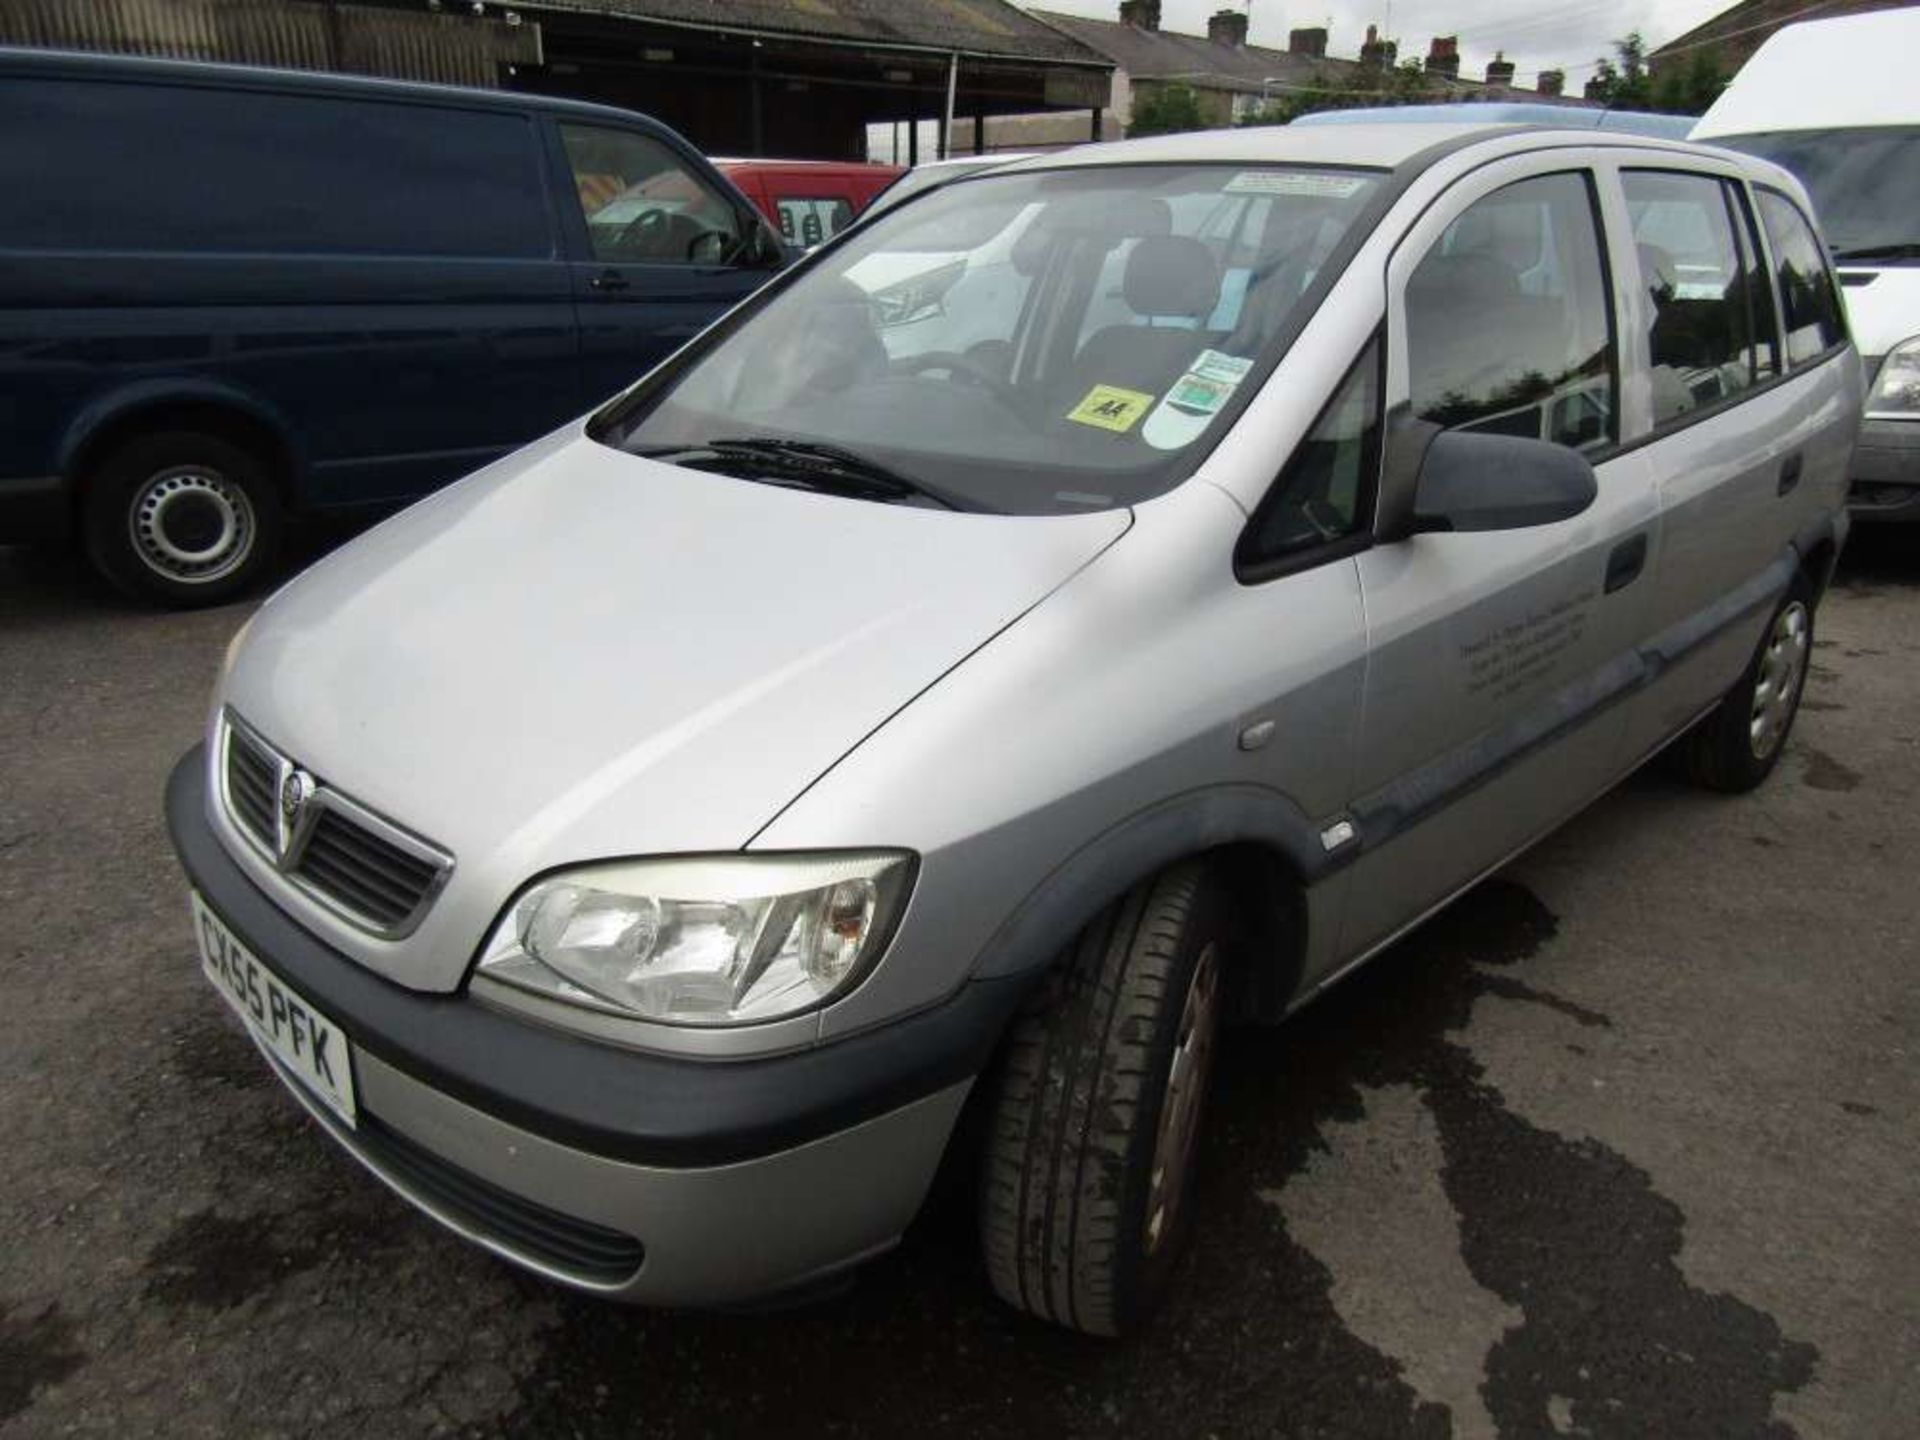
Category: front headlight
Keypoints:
(1896, 389)
(722, 941)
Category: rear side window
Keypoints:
(642, 204)
(1508, 326)
(1807, 292)
(808, 220)
(1711, 302)
(103, 166)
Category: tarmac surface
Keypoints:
(1624, 1143)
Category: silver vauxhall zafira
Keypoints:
(1093, 602)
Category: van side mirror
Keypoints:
(763, 250)
(1464, 481)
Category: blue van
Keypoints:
(231, 296)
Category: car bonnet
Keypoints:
(578, 655)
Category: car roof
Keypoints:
(1383, 146)
(20, 60)
(1511, 112)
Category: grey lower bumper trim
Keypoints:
(713, 1235)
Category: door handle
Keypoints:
(608, 280)
(1625, 562)
(1789, 473)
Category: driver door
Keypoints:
(654, 248)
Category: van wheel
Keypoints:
(1092, 1133)
(1739, 743)
(181, 518)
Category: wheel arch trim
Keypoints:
(1250, 819)
(104, 415)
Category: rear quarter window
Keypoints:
(1809, 300)
(106, 166)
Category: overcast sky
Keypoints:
(1536, 34)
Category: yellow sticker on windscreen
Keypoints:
(1111, 408)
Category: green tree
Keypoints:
(1689, 90)
(1623, 82)
(1165, 109)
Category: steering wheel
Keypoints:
(645, 235)
(960, 366)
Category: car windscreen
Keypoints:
(1865, 184)
(1028, 343)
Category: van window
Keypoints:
(106, 166)
(642, 204)
(1325, 493)
(1702, 287)
(1862, 182)
(807, 221)
(1807, 293)
(1508, 328)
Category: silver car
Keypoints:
(638, 855)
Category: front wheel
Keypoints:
(181, 518)
(1740, 741)
(1094, 1128)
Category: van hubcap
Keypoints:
(1783, 665)
(191, 524)
(1186, 1084)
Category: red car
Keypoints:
(809, 201)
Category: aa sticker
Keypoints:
(1111, 408)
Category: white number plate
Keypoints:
(304, 1040)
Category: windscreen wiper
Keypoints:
(826, 467)
(1899, 250)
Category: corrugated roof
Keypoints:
(978, 27)
(1168, 55)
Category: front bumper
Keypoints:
(1886, 472)
(643, 1177)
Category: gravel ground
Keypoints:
(1623, 1143)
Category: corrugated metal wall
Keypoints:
(453, 49)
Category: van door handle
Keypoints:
(608, 280)
(1789, 473)
(1625, 563)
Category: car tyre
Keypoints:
(1092, 1130)
(182, 518)
(1740, 741)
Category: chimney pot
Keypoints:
(1228, 27)
(1443, 56)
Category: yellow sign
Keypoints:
(1111, 408)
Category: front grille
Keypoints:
(251, 780)
(575, 1247)
(358, 863)
(362, 871)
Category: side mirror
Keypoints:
(1464, 481)
(760, 248)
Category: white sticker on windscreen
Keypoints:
(1324, 184)
(1194, 399)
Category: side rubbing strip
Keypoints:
(1437, 784)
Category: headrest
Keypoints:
(1464, 279)
(1658, 271)
(1172, 275)
(1112, 218)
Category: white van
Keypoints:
(1835, 102)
